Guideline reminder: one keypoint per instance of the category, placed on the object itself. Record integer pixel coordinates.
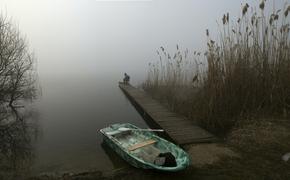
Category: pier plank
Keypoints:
(178, 128)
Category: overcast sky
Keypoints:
(104, 38)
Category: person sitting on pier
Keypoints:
(126, 79)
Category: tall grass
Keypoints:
(171, 78)
(246, 72)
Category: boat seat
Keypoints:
(142, 144)
(111, 133)
(117, 133)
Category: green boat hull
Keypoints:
(143, 157)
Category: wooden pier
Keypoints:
(178, 128)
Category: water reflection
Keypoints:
(18, 129)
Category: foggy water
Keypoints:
(72, 110)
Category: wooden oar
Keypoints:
(129, 129)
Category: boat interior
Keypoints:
(139, 145)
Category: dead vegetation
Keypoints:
(244, 72)
(239, 89)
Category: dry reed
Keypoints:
(245, 72)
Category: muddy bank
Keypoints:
(250, 151)
(129, 174)
(201, 155)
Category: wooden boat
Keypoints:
(144, 149)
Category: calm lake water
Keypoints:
(71, 111)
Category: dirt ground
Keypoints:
(209, 153)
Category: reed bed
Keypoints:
(171, 78)
(245, 72)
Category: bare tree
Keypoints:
(17, 67)
(17, 84)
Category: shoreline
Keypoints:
(241, 156)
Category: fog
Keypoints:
(107, 38)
